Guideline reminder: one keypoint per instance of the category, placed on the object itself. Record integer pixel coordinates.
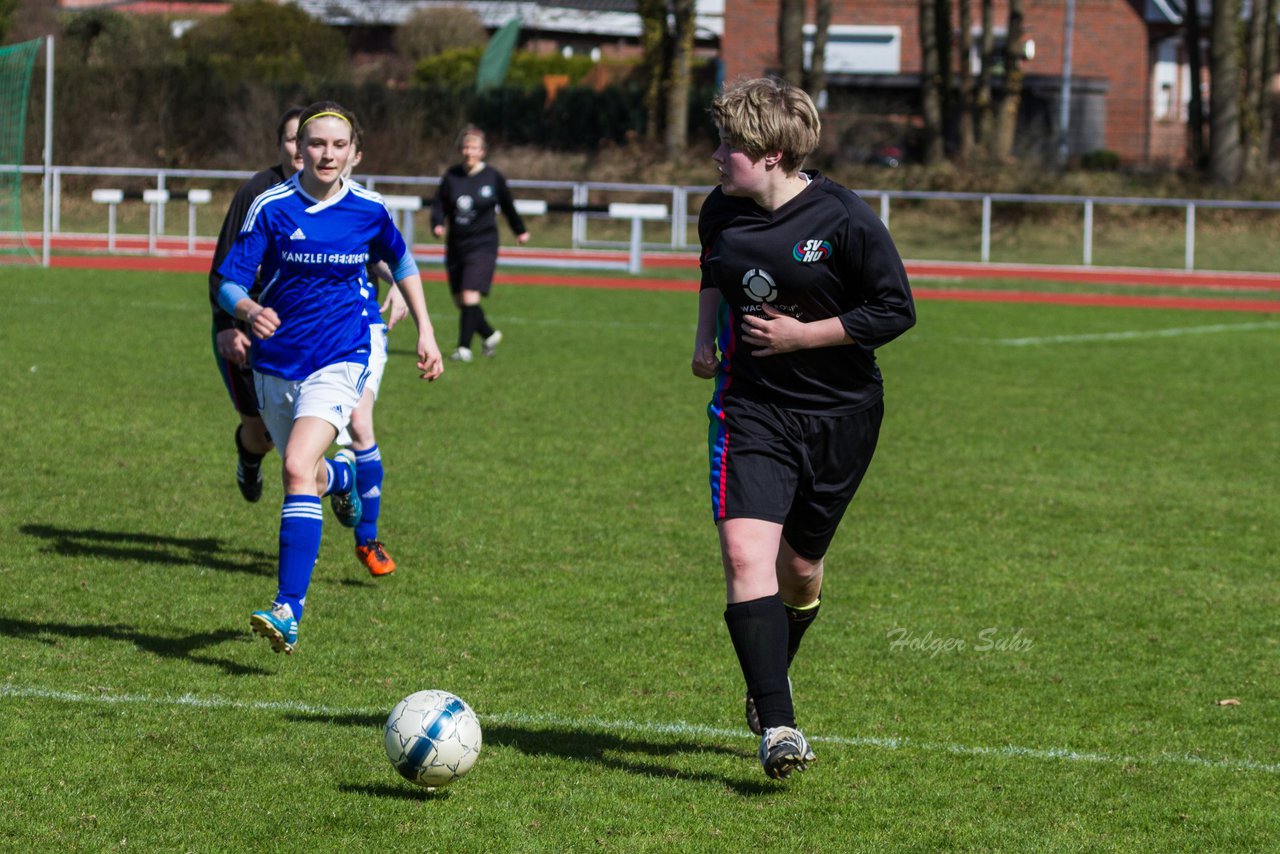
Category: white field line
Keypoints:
(8, 691)
(592, 324)
(1175, 332)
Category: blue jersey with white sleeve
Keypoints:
(313, 256)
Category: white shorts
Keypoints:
(377, 357)
(377, 365)
(330, 394)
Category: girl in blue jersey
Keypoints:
(313, 236)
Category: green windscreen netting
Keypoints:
(16, 63)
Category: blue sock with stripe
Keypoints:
(301, 523)
(339, 478)
(369, 476)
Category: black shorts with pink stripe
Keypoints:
(239, 382)
(796, 469)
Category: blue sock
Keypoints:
(369, 476)
(300, 526)
(339, 478)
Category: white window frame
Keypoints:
(857, 49)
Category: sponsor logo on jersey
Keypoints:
(811, 251)
(297, 235)
(326, 257)
(465, 203)
(759, 285)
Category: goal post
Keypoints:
(16, 65)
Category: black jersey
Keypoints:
(236, 212)
(468, 203)
(823, 254)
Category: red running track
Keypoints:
(919, 270)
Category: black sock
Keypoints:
(798, 622)
(482, 323)
(249, 457)
(467, 326)
(758, 630)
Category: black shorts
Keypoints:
(798, 470)
(471, 271)
(239, 382)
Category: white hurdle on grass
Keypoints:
(154, 198)
(406, 206)
(531, 207)
(194, 198)
(110, 198)
(637, 214)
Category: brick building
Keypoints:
(1129, 84)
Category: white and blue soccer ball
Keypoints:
(432, 738)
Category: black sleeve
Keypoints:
(887, 308)
(236, 212)
(708, 227)
(508, 204)
(438, 212)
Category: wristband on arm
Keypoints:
(229, 295)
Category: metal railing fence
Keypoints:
(586, 197)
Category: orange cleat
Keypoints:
(375, 558)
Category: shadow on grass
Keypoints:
(142, 547)
(618, 752)
(187, 647)
(407, 792)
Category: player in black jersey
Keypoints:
(468, 196)
(230, 337)
(800, 283)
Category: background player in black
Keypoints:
(230, 337)
(468, 196)
(800, 283)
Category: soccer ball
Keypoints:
(432, 738)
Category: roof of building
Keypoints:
(614, 18)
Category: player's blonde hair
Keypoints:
(765, 114)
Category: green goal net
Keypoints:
(16, 64)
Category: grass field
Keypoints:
(1062, 562)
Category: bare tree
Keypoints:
(667, 30)
(1256, 103)
(653, 41)
(678, 80)
(965, 90)
(1225, 156)
(1007, 121)
(1269, 66)
(791, 40)
(816, 80)
(931, 84)
(1195, 105)
(984, 103)
(946, 62)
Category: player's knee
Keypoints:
(302, 476)
(361, 429)
(800, 574)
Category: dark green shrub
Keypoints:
(1101, 160)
